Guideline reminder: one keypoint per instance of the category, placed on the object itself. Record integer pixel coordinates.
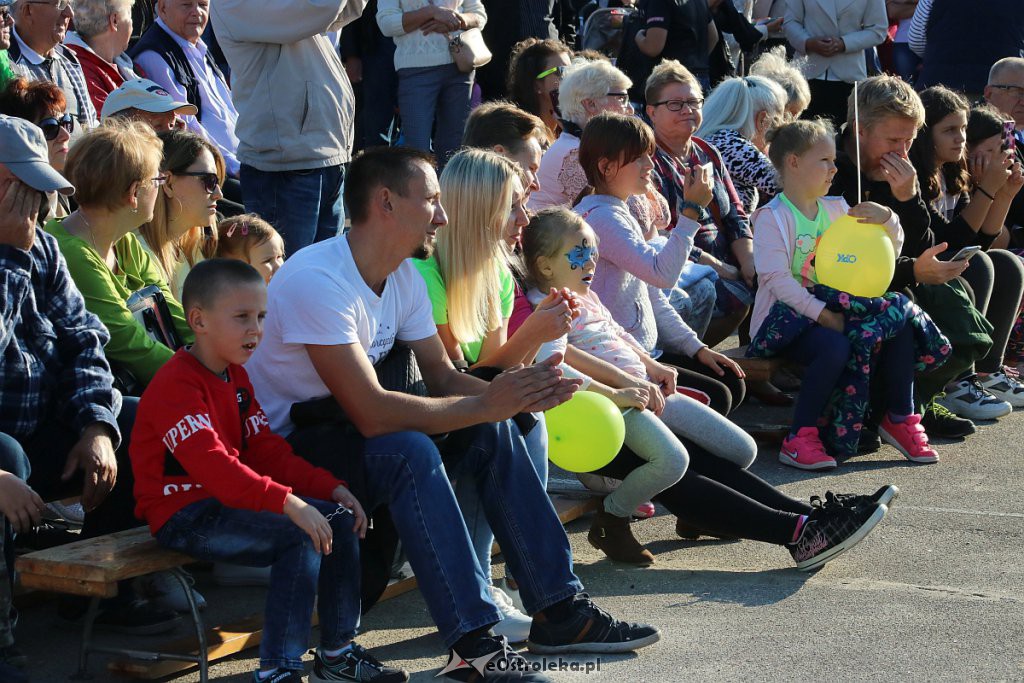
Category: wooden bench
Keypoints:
(93, 567)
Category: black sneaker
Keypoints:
(355, 664)
(940, 421)
(589, 629)
(885, 496)
(135, 617)
(831, 530)
(279, 676)
(490, 659)
(869, 441)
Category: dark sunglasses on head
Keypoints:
(51, 126)
(210, 181)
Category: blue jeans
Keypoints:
(473, 512)
(905, 62)
(406, 472)
(695, 304)
(434, 94)
(304, 206)
(209, 531)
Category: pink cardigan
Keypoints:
(774, 234)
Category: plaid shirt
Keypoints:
(63, 69)
(52, 365)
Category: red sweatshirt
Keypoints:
(187, 445)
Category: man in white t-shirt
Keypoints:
(337, 307)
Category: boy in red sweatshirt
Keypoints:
(214, 482)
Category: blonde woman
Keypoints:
(183, 229)
(472, 290)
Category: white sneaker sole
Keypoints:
(594, 648)
(891, 440)
(974, 412)
(787, 460)
(892, 492)
(818, 561)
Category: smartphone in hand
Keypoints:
(966, 253)
(1009, 139)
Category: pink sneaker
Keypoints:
(909, 438)
(644, 510)
(806, 452)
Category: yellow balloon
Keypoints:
(585, 433)
(855, 257)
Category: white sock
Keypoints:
(264, 675)
(334, 654)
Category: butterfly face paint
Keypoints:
(579, 255)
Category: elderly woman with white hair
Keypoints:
(737, 115)
(102, 31)
(775, 66)
(587, 89)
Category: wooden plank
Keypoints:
(570, 508)
(58, 584)
(757, 369)
(106, 559)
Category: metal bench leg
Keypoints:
(83, 654)
(197, 621)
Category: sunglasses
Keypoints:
(560, 70)
(210, 181)
(51, 126)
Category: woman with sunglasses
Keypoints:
(182, 231)
(534, 77)
(116, 172)
(43, 103)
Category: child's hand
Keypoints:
(870, 212)
(663, 376)
(309, 519)
(630, 397)
(343, 496)
(833, 320)
(698, 183)
(990, 171)
(1015, 182)
(717, 361)
(655, 399)
(551, 319)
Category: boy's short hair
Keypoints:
(880, 97)
(502, 123)
(210, 277)
(391, 167)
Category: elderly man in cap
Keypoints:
(63, 428)
(143, 100)
(37, 49)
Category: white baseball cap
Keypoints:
(141, 93)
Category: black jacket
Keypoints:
(914, 216)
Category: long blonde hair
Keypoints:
(181, 148)
(476, 189)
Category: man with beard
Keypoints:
(334, 310)
(37, 48)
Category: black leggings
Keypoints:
(999, 304)
(726, 392)
(720, 498)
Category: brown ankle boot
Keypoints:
(612, 536)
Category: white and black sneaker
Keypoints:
(1005, 386)
(490, 659)
(831, 530)
(885, 496)
(354, 664)
(588, 629)
(969, 399)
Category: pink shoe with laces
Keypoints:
(806, 452)
(909, 438)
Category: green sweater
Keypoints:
(106, 295)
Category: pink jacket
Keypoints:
(774, 234)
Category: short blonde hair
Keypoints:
(668, 72)
(588, 81)
(774, 66)
(880, 97)
(105, 161)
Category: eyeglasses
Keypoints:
(1015, 91)
(620, 97)
(560, 70)
(51, 126)
(210, 181)
(60, 5)
(677, 105)
(159, 180)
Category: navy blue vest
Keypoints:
(966, 38)
(157, 40)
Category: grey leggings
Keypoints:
(999, 304)
(656, 441)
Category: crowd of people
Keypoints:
(266, 276)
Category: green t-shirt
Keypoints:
(106, 296)
(431, 272)
(807, 233)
